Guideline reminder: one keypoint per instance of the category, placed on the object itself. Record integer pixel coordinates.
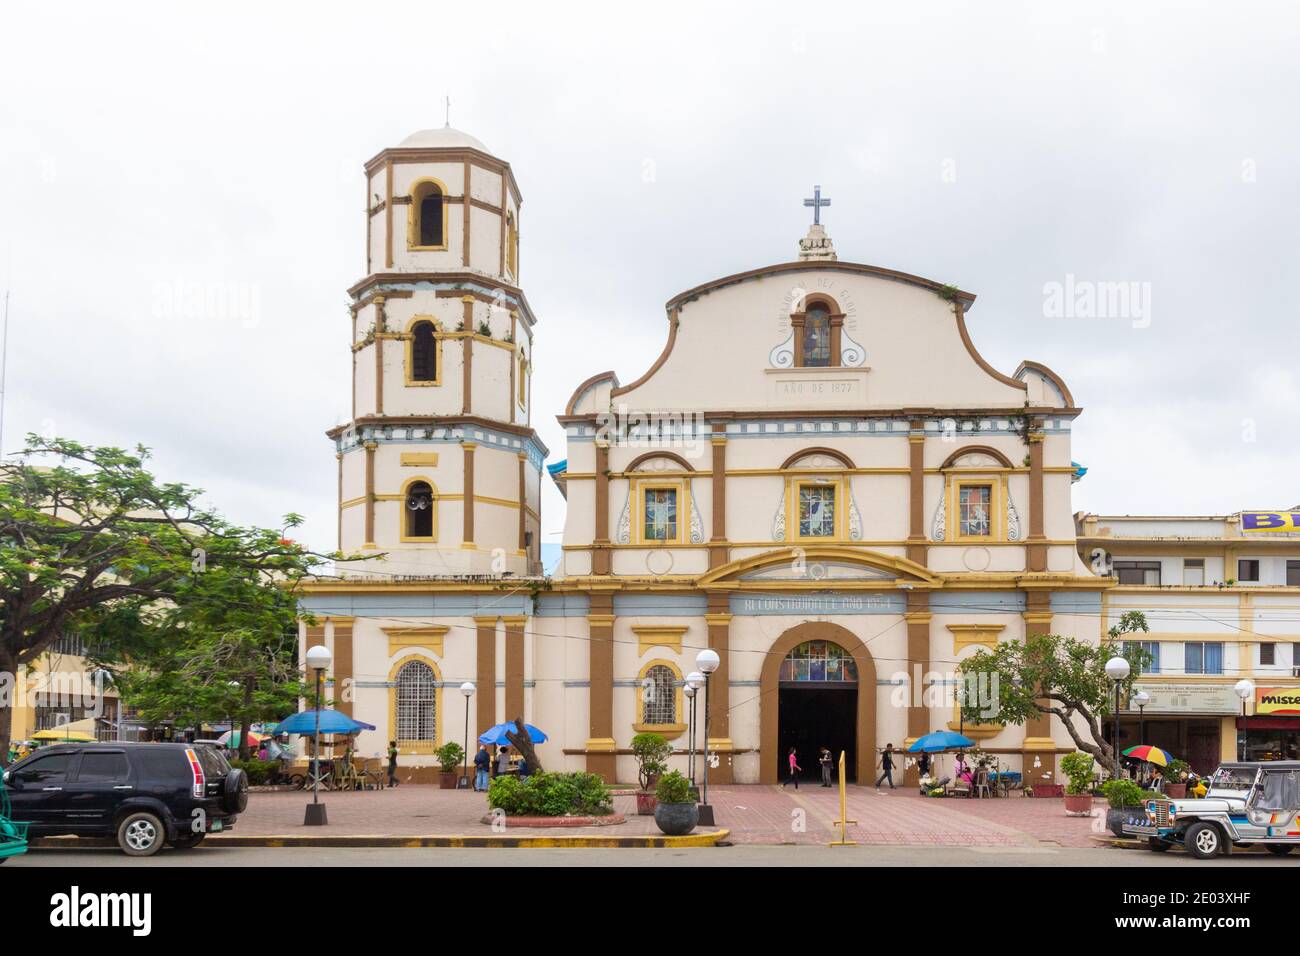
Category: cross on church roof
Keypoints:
(817, 203)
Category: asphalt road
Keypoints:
(764, 856)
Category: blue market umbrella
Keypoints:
(940, 741)
(331, 722)
(497, 734)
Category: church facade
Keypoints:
(819, 477)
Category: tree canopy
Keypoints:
(92, 543)
(1057, 675)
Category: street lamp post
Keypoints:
(689, 691)
(318, 659)
(708, 662)
(694, 681)
(467, 689)
(1142, 698)
(1117, 669)
(1245, 689)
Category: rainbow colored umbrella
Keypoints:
(1161, 758)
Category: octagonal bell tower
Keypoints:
(439, 466)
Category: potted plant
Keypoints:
(449, 757)
(651, 752)
(1126, 799)
(1176, 779)
(1078, 792)
(676, 814)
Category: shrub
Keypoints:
(449, 756)
(259, 772)
(651, 752)
(1078, 767)
(673, 788)
(1123, 793)
(551, 795)
(1177, 770)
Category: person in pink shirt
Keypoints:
(794, 770)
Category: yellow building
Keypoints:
(1223, 605)
(61, 690)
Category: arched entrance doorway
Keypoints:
(818, 690)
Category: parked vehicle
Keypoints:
(1247, 803)
(141, 794)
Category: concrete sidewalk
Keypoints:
(421, 815)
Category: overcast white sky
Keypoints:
(150, 148)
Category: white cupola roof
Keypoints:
(442, 138)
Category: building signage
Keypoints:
(1278, 701)
(1189, 698)
(1257, 522)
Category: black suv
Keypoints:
(143, 795)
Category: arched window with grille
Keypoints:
(659, 696)
(418, 511)
(424, 352)
(416, 707)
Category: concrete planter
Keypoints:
(645, 803)
(677, 819)
(447, 781)
(1078, 804)
(1176, 791)
(1116, 817)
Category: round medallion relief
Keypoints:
(977, 559)
(659, 562)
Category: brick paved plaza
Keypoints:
(754, 814)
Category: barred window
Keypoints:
(659, 695)
(72, 644)
(417, 691)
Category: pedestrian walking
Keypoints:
(482, 762)
(794, 770)
(392, 763)
(886, 767)
(827, 762)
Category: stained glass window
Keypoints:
(816, 511)
(821, 661)
(659, 700)
(416, 699)
(975, 505)
(817, 337)
(660, 514)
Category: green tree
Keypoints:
(1054, 675)
(92, 543)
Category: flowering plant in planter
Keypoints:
(1176, 778)
(1078, 792)
(449, 756)
(651, 752)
